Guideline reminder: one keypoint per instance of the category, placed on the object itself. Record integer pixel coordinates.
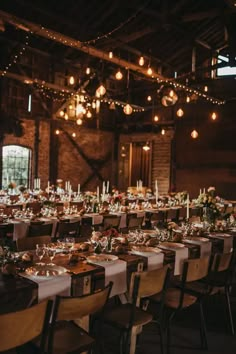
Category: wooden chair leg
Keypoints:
(228, 305)
(203, 331)
(161, 339)
(168, 332)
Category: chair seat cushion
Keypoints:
(69, 338)
(120, 316)
(172, 298)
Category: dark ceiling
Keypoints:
(177, 38)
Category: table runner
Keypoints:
(181, 254)
(154, 260)
(227, 239)
(115, 272)
(205, 247)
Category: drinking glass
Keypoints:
(40, 252)
(51, 252)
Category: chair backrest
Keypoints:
(135, 222)
(18, 328)
(195, 269)
(146, 284)
(222, 262)
(172, 214)
(65, 229)
(40, 230)
(35, 206)
(111, 221)
(29, 243)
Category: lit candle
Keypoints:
(107, 187)
(204, 190)
(78, 189)
(98, 193)
(156, 190)
(187, 214)
(200, 192)
(48, 186)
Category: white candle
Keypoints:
(107, 187)
(78, 188)
(200, 192)
(98, 193)
(137, 186)
(204, 190)
(187, 214)
(48, 186)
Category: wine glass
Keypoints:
(40, 252)
(51, 252)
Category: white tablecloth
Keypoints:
(180, 255)
(205, 246)
(227, 239)
(154, 260)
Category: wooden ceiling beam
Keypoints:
(199, 16)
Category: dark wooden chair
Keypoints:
(67, 229)
(111, 221)
(29, 243)
(39, 229)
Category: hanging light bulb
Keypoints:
(66, 116)
(57, 131)
(71, 80)
(163, 132)
(149, 98)
(188, 99)
(205, 88)
(141, 61)
(89, 114)
(146, 147)
(128, 109)
(119, 75)
(88, 71)
(93, 104)
(74, 135)
(70, 106)
(156, 118)
(213, 116)
(61, 113)
(101, 90)
(110, 54)
(149, 71)
(180, 113)
(79, 110)
(194, 134)
(79, 121)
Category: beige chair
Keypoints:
(67, 337)
(21, 327)
(186, 294)
(29, 243)
(128, 318)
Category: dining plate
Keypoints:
(171, 245)
(144, 250)
(102, 258)
(45, 270)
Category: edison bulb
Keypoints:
(128, 109)
(141, 61)
(119, 75)
(57, 132)
(214, 116)
(156, 118)
(149, 71)
(180, 112)
(194, 134)
(79, 121)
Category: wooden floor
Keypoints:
(185, 332)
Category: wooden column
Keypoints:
(53, 154)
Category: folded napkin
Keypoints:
(96, 218)
(115, 272)
(51, 286)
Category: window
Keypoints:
(15, 165)
(226, 70)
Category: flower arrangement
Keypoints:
(208, 201)
(110, 232)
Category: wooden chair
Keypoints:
(67, 229)
(128, 318)
(186, 294)
(220, 279)
(39, 230)
(172, 214)
(35, 206)
(182, 214)
(67, 337)
(29, 243)
(11, 208)
(20, 328)
(158, 219)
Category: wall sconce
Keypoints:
(146, 147)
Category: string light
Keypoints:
(128, 109)
(89, 114)
(79, 121)
(205, 88)
(57, 131)
(71, 80)
(149, 71)
(110, 55)
(101, 90)
(88, 71)
(149, 98)
(74, 135)
(188, 99)
(66, 116)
